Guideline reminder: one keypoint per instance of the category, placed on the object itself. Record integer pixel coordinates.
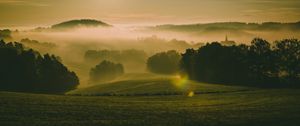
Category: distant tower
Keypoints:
(227, 42)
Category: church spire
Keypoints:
(226, 38)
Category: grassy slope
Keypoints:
(274, 107)
(153, 85)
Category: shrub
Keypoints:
(106, 71)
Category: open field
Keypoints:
(145, 85)
(274, 107)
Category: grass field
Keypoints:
(149, 85)
(153, 102)
(271, 107)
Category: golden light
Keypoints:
(191, 94)
(180, 81)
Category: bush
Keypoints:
(133, 60)
(164, 62)
(28, 71)
(106, 71)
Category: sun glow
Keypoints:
(182, 83)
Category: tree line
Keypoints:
(259, 64)
(5, 34)
(27, 70)
(262, 64)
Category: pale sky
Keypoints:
(47, 12)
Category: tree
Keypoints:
(164, 62)
(259, 64)
(287, 54)
(187, 63)
(5, 34)
(261, 59)
(28, 71)
(215, 63)
(106, 71)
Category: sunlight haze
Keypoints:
(46, 12)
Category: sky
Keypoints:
(147, 12)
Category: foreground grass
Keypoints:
(273, 107)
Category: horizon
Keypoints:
(29, 27)
(31, 13)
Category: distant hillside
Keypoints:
(230, 26)
(80, 23)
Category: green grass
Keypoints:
(153, 85)
(273, 107)
(152, 100)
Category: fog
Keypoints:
(71, 45)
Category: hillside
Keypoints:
(80, 23)
(230, 26)
(154, 85)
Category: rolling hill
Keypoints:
(80, 23)
(230, 26)
(240, 32)
(145, 85)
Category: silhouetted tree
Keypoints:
(215, 63)
(259, 64)
(287, 54)
(5, 34)
(28, 71)
(261, 59)
(106, 71)
(164, 62)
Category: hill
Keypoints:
(230, 26)
(145, 85)
(80, 23)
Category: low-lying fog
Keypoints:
(71, 45)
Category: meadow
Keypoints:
(209, 105)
